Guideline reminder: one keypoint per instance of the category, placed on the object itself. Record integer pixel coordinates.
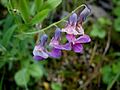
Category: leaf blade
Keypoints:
(40, 16)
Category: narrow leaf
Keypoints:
(7, 35)
(51, 4)
(24, 8)
(40, 16)
(38, 4)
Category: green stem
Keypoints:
(62, 20)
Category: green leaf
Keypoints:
(2, 63)
(8, 22)
(116, 67)
(38, 4)
(104, 21)
(116, 11)
(24, 8)
(52, 4)
(56, 86)
(22, 77)
(7, 35)
(117, 24)
(2, 48)
(102, 34)
(40, 16)
(107, 74)
(97, 32)
(35, 71)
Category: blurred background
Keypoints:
(96, 69)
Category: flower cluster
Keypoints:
(74, 34)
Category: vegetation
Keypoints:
(22, 22)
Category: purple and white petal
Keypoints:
(39, 51)
(83, 39)
(78, 48)
(70, 30)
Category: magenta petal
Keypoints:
(83, 39)
(55, 53)
(70, 37)
(78, 48)
(38, 58)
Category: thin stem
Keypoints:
(62, 20)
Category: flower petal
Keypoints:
(57, 35)
(78, 48)
(80, 29)
(43, 39)
(39, 51)
(55, 53)
(70, 37)
(83, 39)
(82, 17)
(38, 58)
(67, 46)
(70, 30)
(73, 19)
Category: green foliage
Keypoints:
(40, 16)
(51, 4)
(117, 24)
(97, 32)
(98, 29)
(7, 35)
(22, 77)
(38, 5)
(24, 9)
(56, 86)
(116, 11)
(36, 71)
(107, 74)
(110, 71)
(16, 50)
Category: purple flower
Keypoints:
(77, 44)
(81, 18)
(74, 24)
(70, 28)
(55, 41)
(39, 51)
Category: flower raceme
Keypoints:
(74, 34)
